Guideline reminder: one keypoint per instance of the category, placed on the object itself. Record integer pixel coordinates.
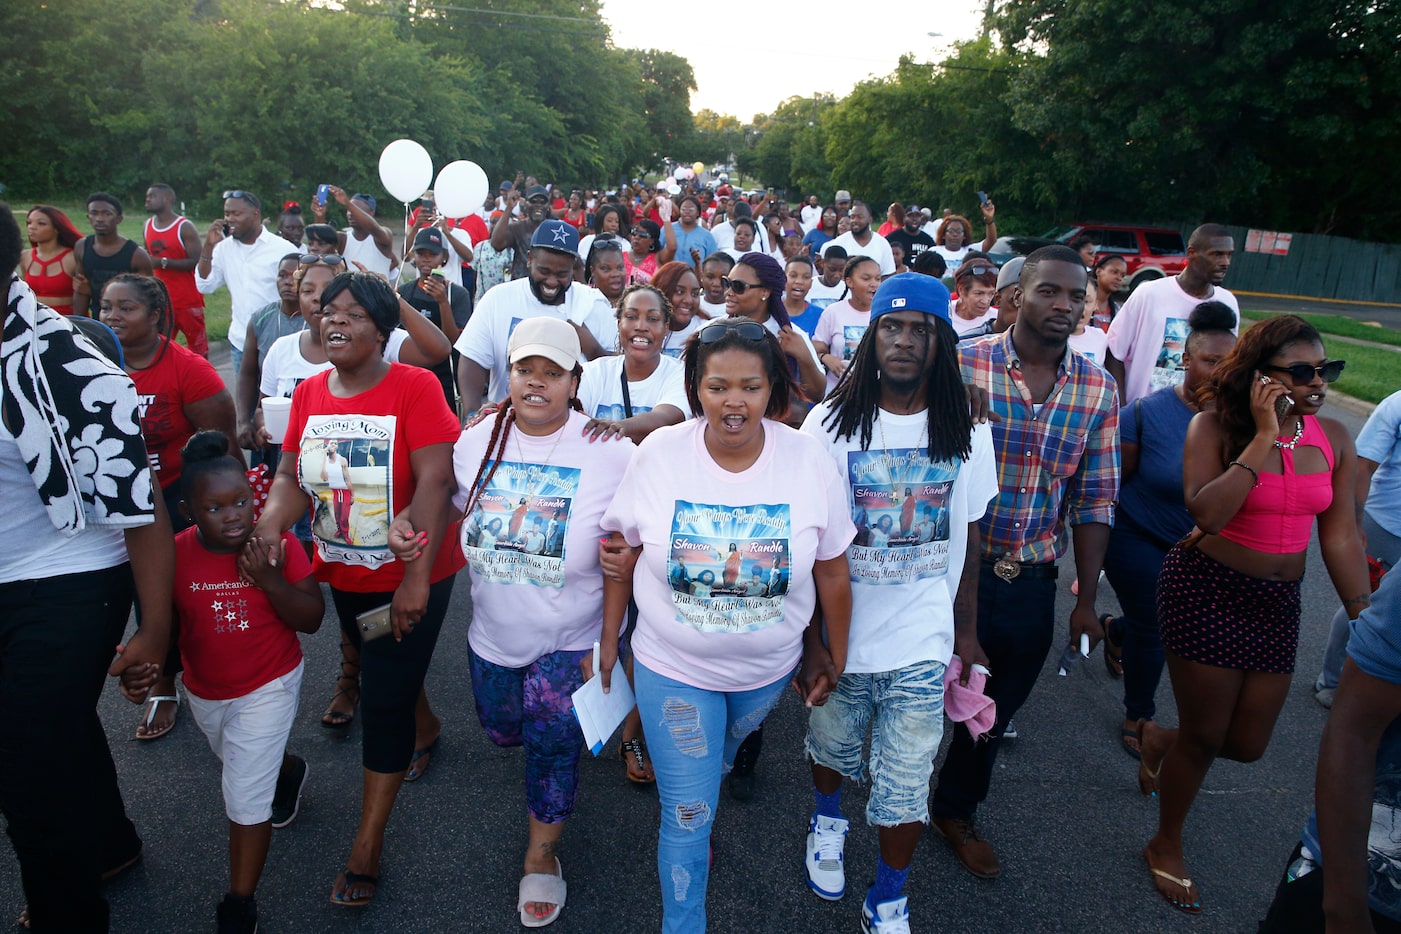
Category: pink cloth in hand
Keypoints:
(968, 704)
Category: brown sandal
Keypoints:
(347, 685)
(634, 753)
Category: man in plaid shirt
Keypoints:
(1057, 448)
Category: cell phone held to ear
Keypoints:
(1282, 406)
(374, 623)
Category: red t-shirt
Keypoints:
(166, 244)
(353, 461)
(472, 224)
(232, 641)
(178, 378)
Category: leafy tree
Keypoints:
(667, 83)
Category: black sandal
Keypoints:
(1113, 651)
(350, 675)
(634, 751)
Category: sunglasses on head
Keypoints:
(1301, 374)
(738, 286)
(976, 271)
(330, 259)
(746, 330)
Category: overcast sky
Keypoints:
(789, 49)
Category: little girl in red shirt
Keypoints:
(239, 604)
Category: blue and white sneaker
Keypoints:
(825, 869)
(892, 917)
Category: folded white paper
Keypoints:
(599, 714)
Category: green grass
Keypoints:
(217, 309)
(1372, 373)
(1340, 325)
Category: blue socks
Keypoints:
(889, 884)
(828, 805)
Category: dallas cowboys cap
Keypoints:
(910, 291)
(557, 236)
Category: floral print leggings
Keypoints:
(533, 707)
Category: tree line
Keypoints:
(1276, 114)
(277, 96)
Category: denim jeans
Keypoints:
(1386, 548)
(1016, 623)
(904, 710)
(1132, 563)
(692, 734)
(58, 786)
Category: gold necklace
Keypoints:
(540, 474)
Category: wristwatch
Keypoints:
(165, 262)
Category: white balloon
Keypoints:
(460, 189)
(406, 169)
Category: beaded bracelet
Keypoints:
(1255, 473)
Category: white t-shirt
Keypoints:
(809, 216)
(284, 366)
(714, 309)
(822, 294)
(531, 539)
(1091, 342)
(953, 258)
(601, 388)
(962, 326)
(485, 337)
(705, 531)
(912, 521)
(841, 328)
(1150, 332)
(676, 340)
(877, 249)
(367, 253)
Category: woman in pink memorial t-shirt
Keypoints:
(711, 659)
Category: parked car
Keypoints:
(1150, 252)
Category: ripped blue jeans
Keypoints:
(692, 735)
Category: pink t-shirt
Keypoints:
(531, 539)
(841, 328)
(1150, 332)
(724, 584)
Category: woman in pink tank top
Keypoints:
(1259, 466)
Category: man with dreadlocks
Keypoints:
(899, 429)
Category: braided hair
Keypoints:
(856, 398)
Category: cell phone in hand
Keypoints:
(1282, 406)
(374, 623)
(322, 192)
(983, 198)
(226, 228)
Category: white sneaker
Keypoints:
(891, 917)
(826, 841)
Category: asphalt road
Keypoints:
(1064, 814)
(1386, 316)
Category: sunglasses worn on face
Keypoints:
(330, 259)
(1301, 374)
(747, 330)
(737, 286)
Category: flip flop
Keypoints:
(1194, 907)
(1113, 651)
(543, 888)
(414, 773)
(348, 878)
(1127, 735)
(155, 702)
(1147, 777)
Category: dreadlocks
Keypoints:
(856, 397)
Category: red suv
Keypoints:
(1151, 252)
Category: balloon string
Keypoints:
(408, 247)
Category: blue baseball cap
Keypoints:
(556, 235)
(910, 291)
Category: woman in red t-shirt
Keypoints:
(393, 434)
(49, 264)
(180, 393)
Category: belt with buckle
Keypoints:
(1009, 570)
